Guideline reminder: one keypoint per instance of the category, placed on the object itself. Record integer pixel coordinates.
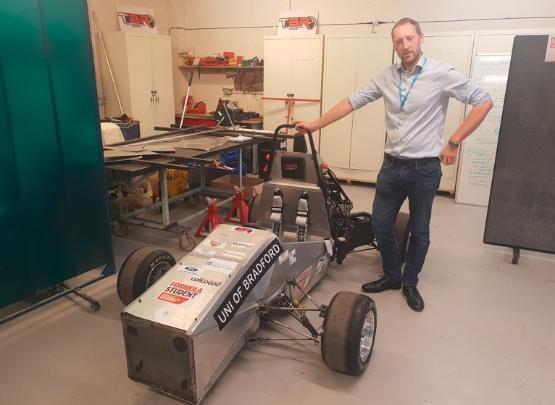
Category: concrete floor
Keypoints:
(486, 336)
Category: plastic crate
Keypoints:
(230, 157)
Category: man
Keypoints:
(416, 93)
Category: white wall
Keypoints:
(249, 42)
(201, 20)
(107, 20)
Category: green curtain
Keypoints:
(54, 220)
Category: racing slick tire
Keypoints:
(140, 270)
(349, 332)
(402, 233)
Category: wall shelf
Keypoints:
(236, 72)
(220, 67)
(217, 69)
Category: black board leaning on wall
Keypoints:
(521, 211)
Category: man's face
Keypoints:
(407, 43)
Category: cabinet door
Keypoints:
(277, 78)
(368, 135)
(306, 79)
(340, 66)
(456, 51)
(292, 66)
(140, 81)
(162, 82)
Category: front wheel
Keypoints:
(349, 332)
(140, 270)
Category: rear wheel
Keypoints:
(140, 270)
(349, 332)
(402, 233)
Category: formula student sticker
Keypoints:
(240, 291)
(179, 293)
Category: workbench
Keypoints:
(193, 160)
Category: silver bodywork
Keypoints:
(173, 333)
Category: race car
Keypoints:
(185, 320)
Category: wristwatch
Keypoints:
(453, 145)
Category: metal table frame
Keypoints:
(196, 160)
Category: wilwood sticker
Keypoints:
(206, 281)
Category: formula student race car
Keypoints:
(185, 320)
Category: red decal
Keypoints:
(174, 299)
(302, 279)
(243, 229)
(178, 293)
(294, 23)
(137, 20)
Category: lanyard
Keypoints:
(403, 99)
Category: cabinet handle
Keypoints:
(157, 100)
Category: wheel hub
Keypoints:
(367, 336)
(157, 271)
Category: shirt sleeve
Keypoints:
(370, 92)
(463, 89)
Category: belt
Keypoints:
(410, 162)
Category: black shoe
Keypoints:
(380, 285)
(414, 299)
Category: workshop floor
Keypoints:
(486, 336)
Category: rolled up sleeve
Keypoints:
(370, 92)
(463, 89)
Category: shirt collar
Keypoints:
(419, 64)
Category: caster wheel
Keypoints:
(119, 228)
(187, 242)
(192, 200)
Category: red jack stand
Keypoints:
(211, 220)
(240, 210)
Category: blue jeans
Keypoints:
(398, 179)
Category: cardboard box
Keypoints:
(251, 185)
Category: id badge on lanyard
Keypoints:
(403, 99)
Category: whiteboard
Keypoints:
(477, 156)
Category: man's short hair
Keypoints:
(407, 20)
